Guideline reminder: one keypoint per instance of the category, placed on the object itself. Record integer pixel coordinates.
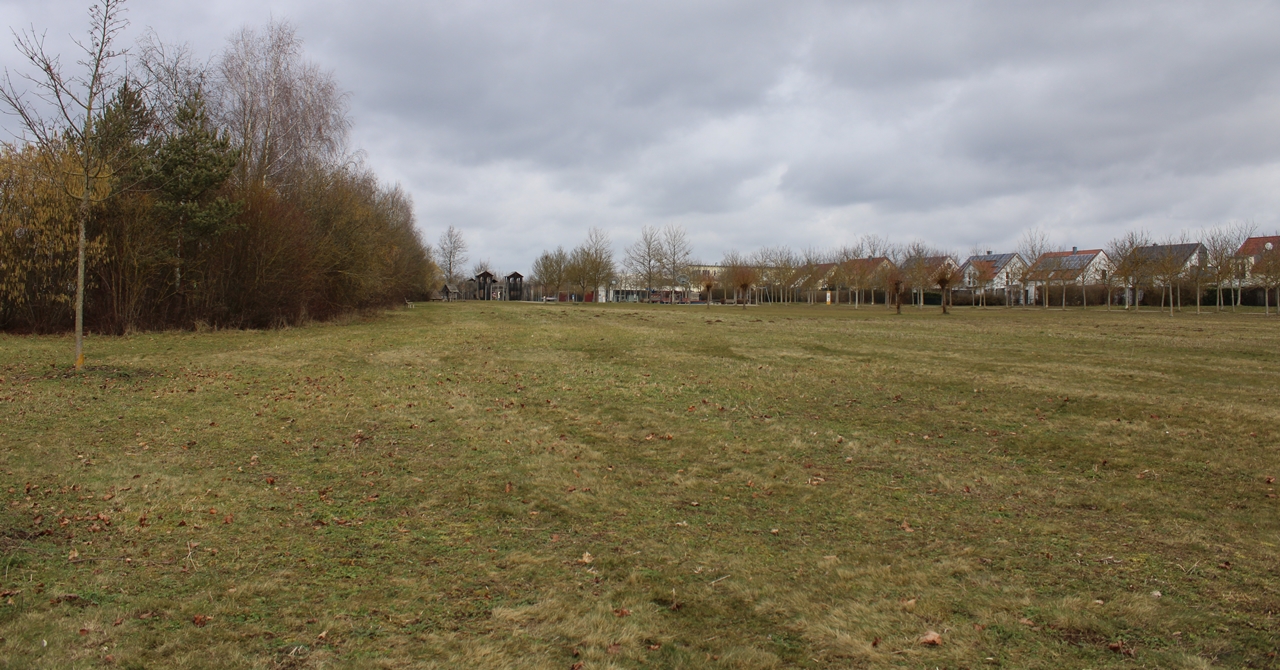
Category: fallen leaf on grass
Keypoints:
(73, 555)
(586, 558)
(1119, 648)
(655, 646)
(931, 638)
(621, 612)
(1271, 480)
(1026, 622)
(907, 527)
(614, 648)
(200, 620)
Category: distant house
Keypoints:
(992, 272)
(1252, 251)
(1168, 260)
(1165, 266)
(1078, 267)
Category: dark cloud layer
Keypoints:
(803, 123)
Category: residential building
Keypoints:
(1078, 267)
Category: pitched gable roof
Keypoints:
(1062, 265)
(1254, 246)
(997, 262)
(1160, 252)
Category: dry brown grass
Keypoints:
(803, 487)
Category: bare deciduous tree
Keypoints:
(550, 270)
(1221, 244)
(1266, 269)
(741, 274)
(677, 253)
(172, 77)
(1129, 266)
(591, 263)
(78, 104)
(283, 112)
(453, 254)
(1033, 245)
(945, 274)
(644, 258)
(916, 270)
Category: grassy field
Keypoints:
(521, 485)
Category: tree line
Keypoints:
(177, 193)
(1137, 269)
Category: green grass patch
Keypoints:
(524, 485)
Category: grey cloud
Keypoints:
(804, 123)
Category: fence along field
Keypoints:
(517, 485)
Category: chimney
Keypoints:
(1074, 250)
(988, 252)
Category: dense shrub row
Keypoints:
(222, 195)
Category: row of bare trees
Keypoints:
(876, 271)
(180, 193)
(587, 267)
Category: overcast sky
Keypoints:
(751, 124)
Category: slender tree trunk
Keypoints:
(81, 245)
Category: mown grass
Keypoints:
(800, 487)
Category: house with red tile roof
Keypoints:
(1252, 252)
